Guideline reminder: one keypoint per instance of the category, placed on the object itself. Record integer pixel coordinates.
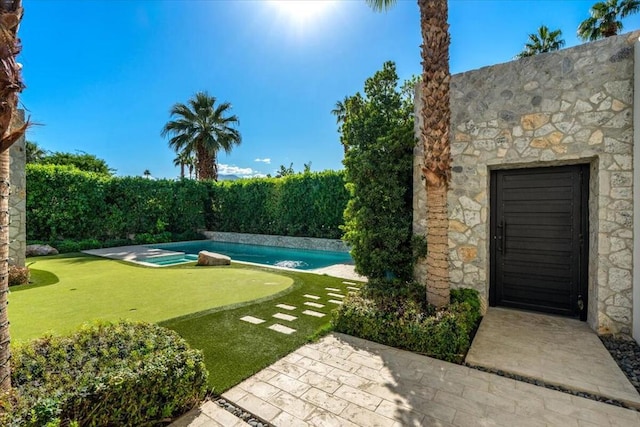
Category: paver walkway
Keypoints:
(557, 350)
(346, 381)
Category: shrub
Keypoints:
(64, 203)
(397, 314)
(18, 275)
(378, 137)
(105, 374)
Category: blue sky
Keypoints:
(101, 76)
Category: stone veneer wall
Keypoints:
(574, 106)
(18, 200)
(281, 241)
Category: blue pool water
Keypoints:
(301, 259)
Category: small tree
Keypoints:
(541, 42)
(377, 134)
(604, 21)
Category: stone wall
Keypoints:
(18, 201)
(280, 241)
(574, 106)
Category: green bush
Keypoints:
(398, 315)
(378, 137)
(66, 204)
(121, 374)
(309, 205)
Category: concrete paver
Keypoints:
(345, 381)
(557, 350)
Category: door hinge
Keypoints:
(580, 303)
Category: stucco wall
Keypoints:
(574, 106)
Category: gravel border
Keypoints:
(626, 352)
(245, 416)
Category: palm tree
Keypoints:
(34, 152)
(147, 173)
(604, 21)
(203, 128)
(542, 42)
(10, 86)
(436, 117)
(184, 159)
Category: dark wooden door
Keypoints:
(539, 235)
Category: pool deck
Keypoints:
(136, 253)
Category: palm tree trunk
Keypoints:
(181, 170)
(205, 169)
(214, 166)
(436, 114)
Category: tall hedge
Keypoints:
(309, 204)
(377, 133)
(66, 203)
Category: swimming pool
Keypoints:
(301, 259)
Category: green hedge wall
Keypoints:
(310, 205)
(66, 203)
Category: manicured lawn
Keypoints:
(234, 349)
(68, 290)
(204, 305)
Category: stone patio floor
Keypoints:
(346, 381)
(556, 350)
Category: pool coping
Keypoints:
(132, 253)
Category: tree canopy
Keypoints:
(605, 18)
(543, 41)
(203, 128)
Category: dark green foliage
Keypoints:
(121, 374)
(82, 161)
(377, 133)
(66, 204)
(397, 314)
(309, 205)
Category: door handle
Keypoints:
(501, 237)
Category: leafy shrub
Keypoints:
(121, 374)
(398, 315)
(64, 203)
(18, 275)
(378, 137)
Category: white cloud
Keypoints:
(234, 170)
(266, 160)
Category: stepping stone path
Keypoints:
(252, 320)
(313, 313)
(332, 292)
(282, 329)
(314, 304)
(283, 316)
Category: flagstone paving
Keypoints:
(346, 381)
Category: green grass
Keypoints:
(68, 290)
(235, 350)
(204, 305)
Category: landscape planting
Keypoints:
(66, 204)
